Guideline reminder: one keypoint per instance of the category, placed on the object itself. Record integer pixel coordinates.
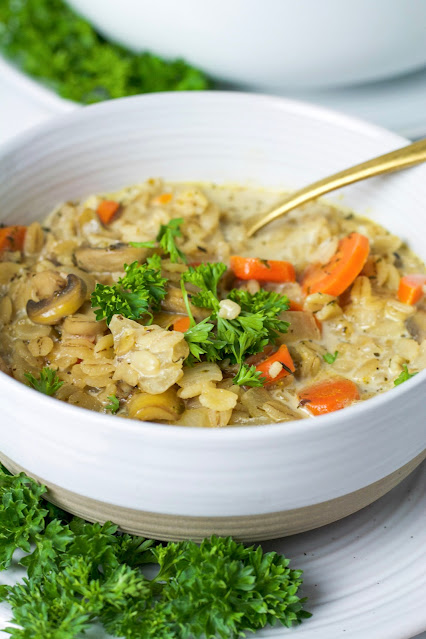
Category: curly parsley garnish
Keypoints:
(217, 338)
(136, 294)
(81, 574)
(166, 239)
(48, 382)
(79, 63)
(403, 376)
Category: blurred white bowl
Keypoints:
(170, 481)
(272, 45)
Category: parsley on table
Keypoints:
(330, 358)
(136, 294)
(403, 376)
(48, 382)
(114, 404)
(79, 574)
(47, 40)
(217, 338)
(167, 240)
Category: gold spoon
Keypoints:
(400, 159)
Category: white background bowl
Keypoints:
(272, 45)
(209, 472)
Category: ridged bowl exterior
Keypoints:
(230, 472)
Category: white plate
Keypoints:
(365, 576)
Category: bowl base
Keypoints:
(244, 528)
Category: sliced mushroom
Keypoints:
(416, 325)
(174, 303)
(64, 302)
(164, 406)
(302, 327)
(110, 259)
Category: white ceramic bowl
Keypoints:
(172, 482)
(273, 45)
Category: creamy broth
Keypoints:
(365, 335)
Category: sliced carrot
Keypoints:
(410, 289)
(164, 198)
(253, 268)
(182, 324)
(282, 356)
(340, 272)
(329, 395)
(106, 210)
(12, 238)
(295, 306)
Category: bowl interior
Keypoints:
(206, 136)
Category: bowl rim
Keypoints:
(198, 433)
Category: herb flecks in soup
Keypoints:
(152, 303)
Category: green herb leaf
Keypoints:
(206, 278)
(80, 574)
(114, 404)
(167, 238)
(136, 294)
(149, 244)
(403, 376)
(256, 325)
(77, 62)
(330, 358)
(48, 382)
(248, 376)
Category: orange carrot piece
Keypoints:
(340, 272)
(182, 324)
(106, 210)
(329, 395)
(164, 198)
(253, 268)
(12, 238)
(295, 306)
(410, 289)
(283, 357)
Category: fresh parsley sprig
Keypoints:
(256, 325)
(80, 574)
(403, 376)
(48, 382)
(166, 240)
(136, 294)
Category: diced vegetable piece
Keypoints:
(303, 326)
(253, 268)
(329, 395)
(182, 324)
(295, 306)
(410, 289)
(269, 370)
(164, 406)
(164, 198)
(12, 238)
(341, 271)
(106, 210)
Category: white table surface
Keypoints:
(18, 112)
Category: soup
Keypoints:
(151, 303)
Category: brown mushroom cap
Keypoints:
(63, 303)
(110, 259)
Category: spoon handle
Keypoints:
(394, 161)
